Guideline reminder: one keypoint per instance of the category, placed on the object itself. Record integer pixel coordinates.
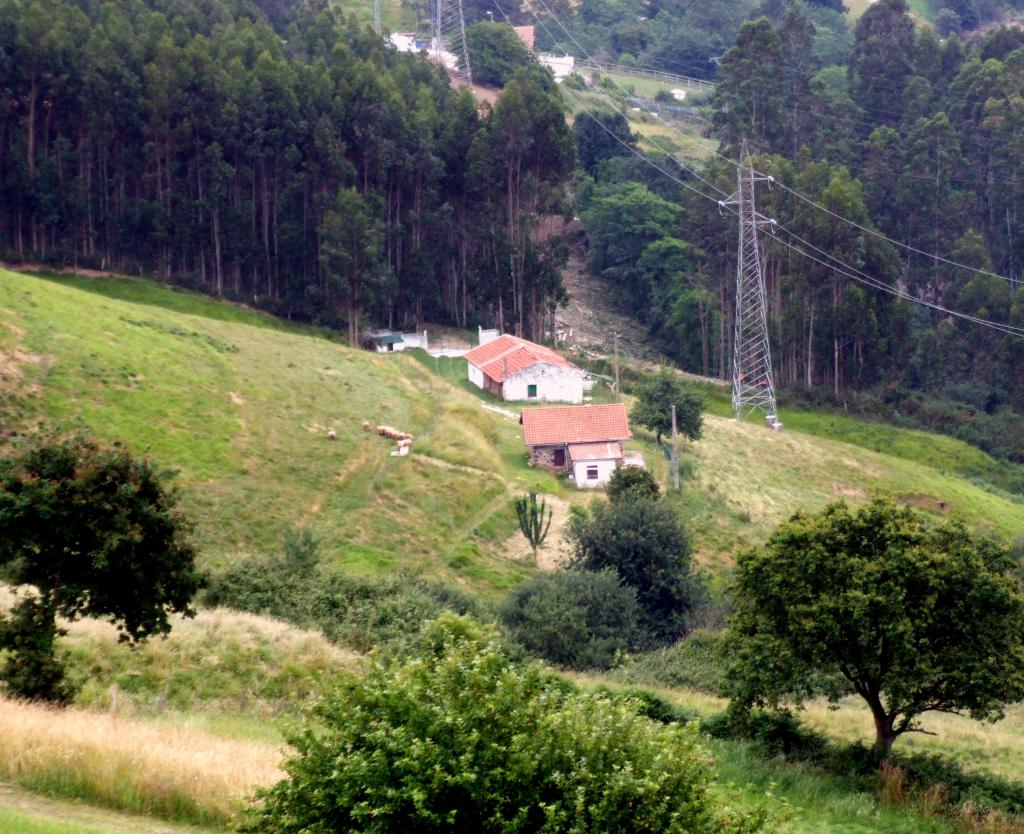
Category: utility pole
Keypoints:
(753, 388)
(618, 391)
(675, 451)
(377, 25)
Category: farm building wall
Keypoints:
(476, 376)
(553, 384)
(604, 472)
(544, 456)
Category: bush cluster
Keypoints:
(358, 612)
(458, 736)
(629, 586)
(579, 619)
(692, 663)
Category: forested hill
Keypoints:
(280, 154)
(305, 168)
(920, 143)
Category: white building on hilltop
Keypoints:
(515, 369)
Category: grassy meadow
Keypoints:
(240, 408)
(239, 404)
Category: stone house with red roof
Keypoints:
(584, 441)
(517, 370)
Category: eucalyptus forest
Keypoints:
(305, 169)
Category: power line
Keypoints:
(735, 164)
(576, 100)
(844, 268)
(893, 241)
(841, 267)
(589, 58)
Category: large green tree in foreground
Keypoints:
(911, 618)
(85, 532)
(460, 737)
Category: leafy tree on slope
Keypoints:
(876, 603)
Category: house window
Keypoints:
(592, 473)
(559, 457)
(531, 391)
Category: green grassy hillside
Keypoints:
(240, 406)
(240, 403)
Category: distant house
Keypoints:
(515, 369)
(526, 35)
(560, 65)
(584, 441)
(390, 341)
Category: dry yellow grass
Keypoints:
(171, 772)
(997, 748)
(221, 662)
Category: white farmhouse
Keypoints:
(515, 369)
(583, 441)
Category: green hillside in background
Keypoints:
(240, 405)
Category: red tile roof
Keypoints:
(501, 358)
(575, 424)
(595, 451)
(526, 35)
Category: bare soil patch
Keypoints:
(554, 553)
(592, 312)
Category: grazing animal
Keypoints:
(331, 435)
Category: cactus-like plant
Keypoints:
(534, 519)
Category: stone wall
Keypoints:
(544, 457)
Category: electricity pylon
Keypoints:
(449, 39)
(753, 388)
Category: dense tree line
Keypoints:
(919, 139)
(276, 153)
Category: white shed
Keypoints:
(594, 463)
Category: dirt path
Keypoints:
(43, 809)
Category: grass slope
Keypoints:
(241, 406)
(240, 403)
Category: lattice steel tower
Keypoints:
(753, 388)
(449, 39)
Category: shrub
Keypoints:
(462, 738)
(630, 483)
(778, 733)
(573, 618)
(354, 611)
(652, 705)
(692, 663)
(646, 545)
